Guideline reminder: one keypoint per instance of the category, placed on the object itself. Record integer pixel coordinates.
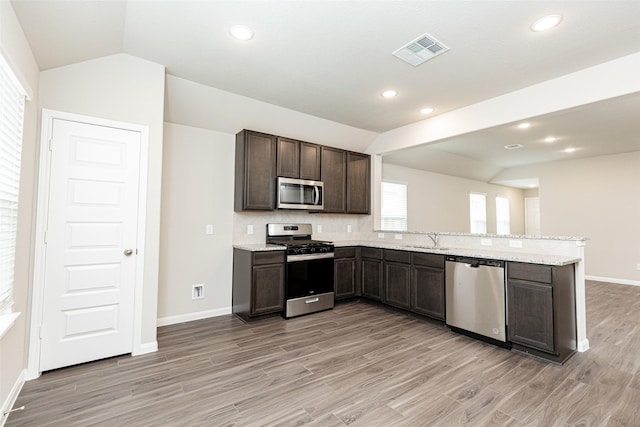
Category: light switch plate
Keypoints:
(515, 243)
(380, 235)
(398, 236)
(349, 228)
(319, 228)
(250, 229)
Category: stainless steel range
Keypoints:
(309, 277)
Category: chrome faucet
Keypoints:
(434, 239)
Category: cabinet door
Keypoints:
(530, 314)
(397, 284)
(309, 161)
(372, 279)
(255, 171)
(288, 158)
(358, 183)
(427, 291)
(267, 289)
(345, 277)
(334, 175)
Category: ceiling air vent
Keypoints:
(513, 146)
(420, 50)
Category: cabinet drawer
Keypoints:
(531, 272)
(430, 260)
(344, 253)
(397, 256)
(268, 257)
(371, 253)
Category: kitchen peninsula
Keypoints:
(544, 281)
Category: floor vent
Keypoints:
(420, 50)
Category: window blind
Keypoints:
(478, 213)
(502, 216)
(394, 206)
(12, 100)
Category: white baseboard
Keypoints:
(613, 280)
(145, 347)
(12, 397)
(583, 345)
(189, 317)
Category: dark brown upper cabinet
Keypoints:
(358, 183)
(298, 159)
(334, 176)
(255, 172)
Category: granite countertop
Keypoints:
(468, 252)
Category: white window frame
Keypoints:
(478, 213)
(503, 219)
(12, 105)
(394, 217)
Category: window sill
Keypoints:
(7, 321)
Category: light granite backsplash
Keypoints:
(329, 227)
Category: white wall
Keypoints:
(197, 189)
(128, 89)
(13, 345)
(437, 202)
(597, 198)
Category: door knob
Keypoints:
(128, 252)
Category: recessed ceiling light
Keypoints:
(569, 150)
(513, 146)
(532, 186)
(426, 111)
(546, 23)
(241, 32)
(550, 139)
(524, 125)
(389, 93)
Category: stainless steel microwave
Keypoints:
(300, 194)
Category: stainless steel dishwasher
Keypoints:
(475, 297)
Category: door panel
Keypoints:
(92, 219)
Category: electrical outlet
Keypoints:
(515, 243)
(209, 229)
(197, 291)
(250, 229)
(319, 228)
(637, 266)
(398, 236)
(486, 242)
(380, 235)
(349, 228)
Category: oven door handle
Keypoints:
(309, 257)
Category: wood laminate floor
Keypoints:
(359, 365)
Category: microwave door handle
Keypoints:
(317, 198)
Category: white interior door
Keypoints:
(532, 216)
(90, 261)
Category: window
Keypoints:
(478, 213)
(12, 99)
(502, 215)
(394, 206)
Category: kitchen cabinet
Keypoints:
(371, 264)
(541, 309)
(255, 171)
(397, 278)
(298, 159)
(333, 168)
(346, 273)
(428, 285)
(358, 183)
(258, 283)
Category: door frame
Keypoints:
(42, 210)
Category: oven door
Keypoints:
(309, 285)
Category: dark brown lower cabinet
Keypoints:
(372, 273)
(258, 283)
(345, 270)
(427, 285)
(541, 309)
(397, 278)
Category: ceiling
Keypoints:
(332, 59)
